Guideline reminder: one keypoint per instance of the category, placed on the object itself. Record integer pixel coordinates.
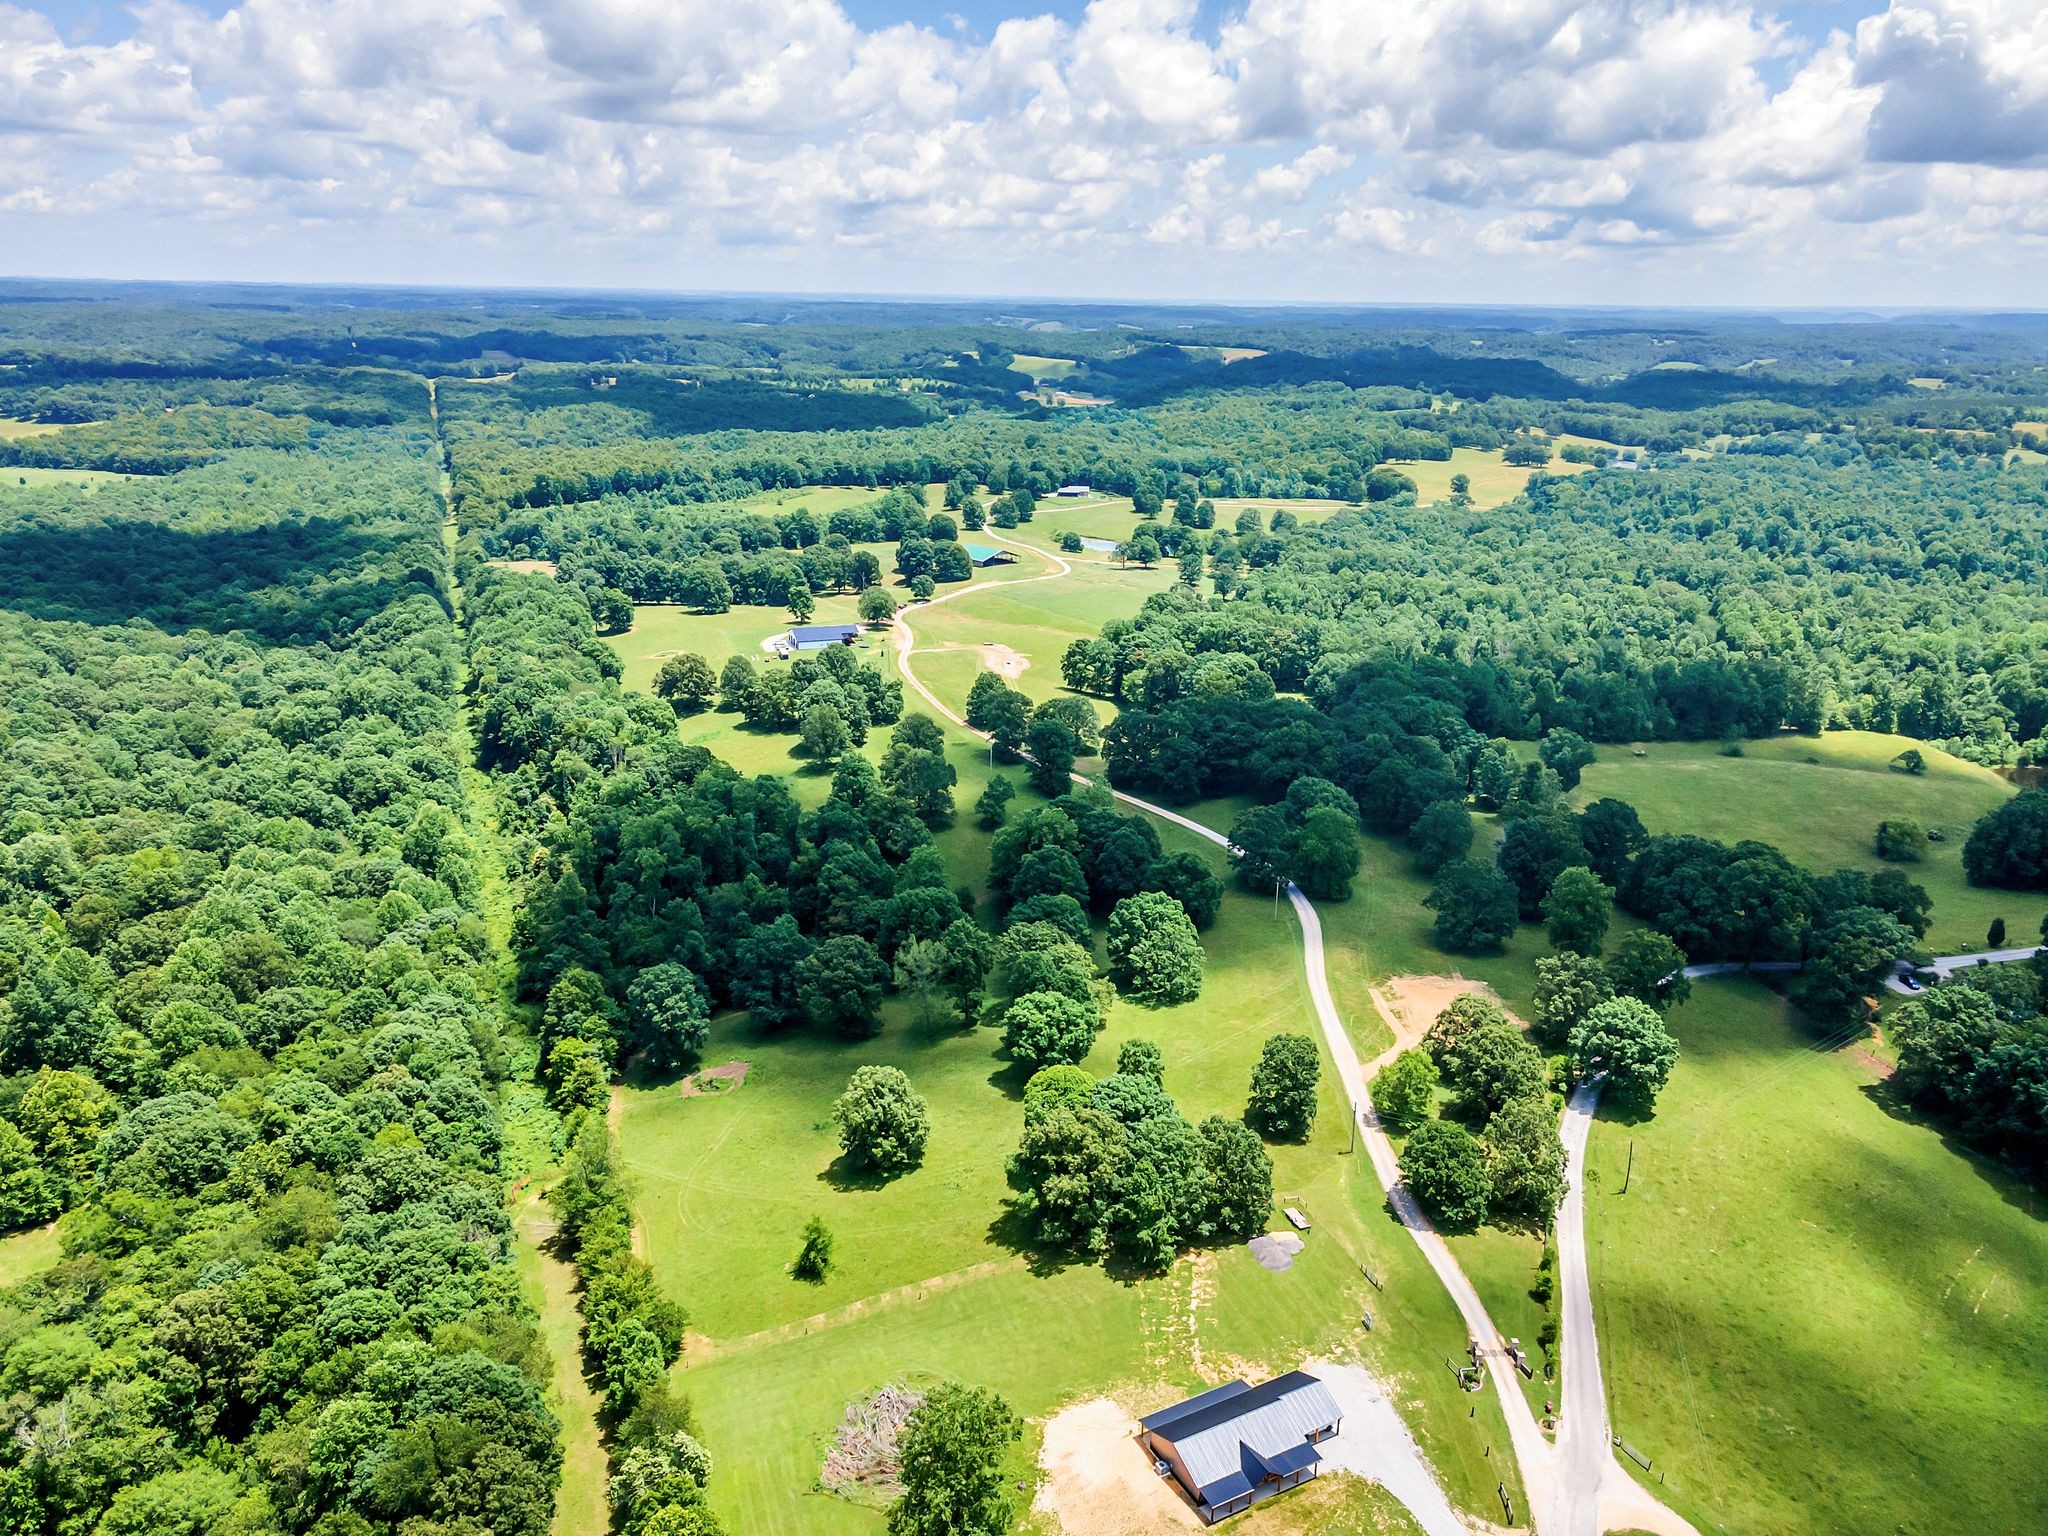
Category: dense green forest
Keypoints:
(1702, 601)
(251, 1022)
(340, 876)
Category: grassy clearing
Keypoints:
(22, 476)
(820, 500)
(1819, 799)
(1493, 482)
(1038, 621)
(12, 431)
(1039, 368)
(928, 1278)
(1810, 1304)
(23, 1254)
(1112, 517)
(550, 1285)
(929, 1286)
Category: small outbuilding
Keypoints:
(817, 637)
(988, 554)
(1236, 1444)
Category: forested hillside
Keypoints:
(252, 1028)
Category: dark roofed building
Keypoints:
(1234, 1444)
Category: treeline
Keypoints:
(710, 557)
(297, 549)
(1723, 599)
(1407, 763)
(158, 442)
(250, 1043)
(558, 735)
(1311, 443)
(629, 404)
(1974, 1051)
(342, 397)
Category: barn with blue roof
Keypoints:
(1235, 1444)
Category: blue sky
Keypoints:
(1726, 151)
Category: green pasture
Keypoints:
(1819, 800)
(23, 476)
(1816, 1314)
(820, 500)
(12, 431)
(1043, 368)
(1038, 621)
(929, 1279)
(1493, 482)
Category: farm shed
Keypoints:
(1072, 490)
(816, 637)
(985, 554)
(1235, 1444)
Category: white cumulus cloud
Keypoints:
(765, 141)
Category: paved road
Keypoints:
(1946, 966)
(1594, 1491)
(1943, 966)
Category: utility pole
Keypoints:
(1630, 1169)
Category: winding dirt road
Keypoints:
(1574, 1488)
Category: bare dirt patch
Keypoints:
(525, 567)
(1099, 1481)
(1008, 664)
(714, 1080)
(1410, 1005)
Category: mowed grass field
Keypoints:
(1819, 800)
(26, 477)
(13, 431)
(1816, 1316)
(1493, 482)
(1037, 367)
(929, 1280)
(1038, 621)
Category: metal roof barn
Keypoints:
(815, 637)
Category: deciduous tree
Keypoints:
(1282, 1106)
(883, 1124)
